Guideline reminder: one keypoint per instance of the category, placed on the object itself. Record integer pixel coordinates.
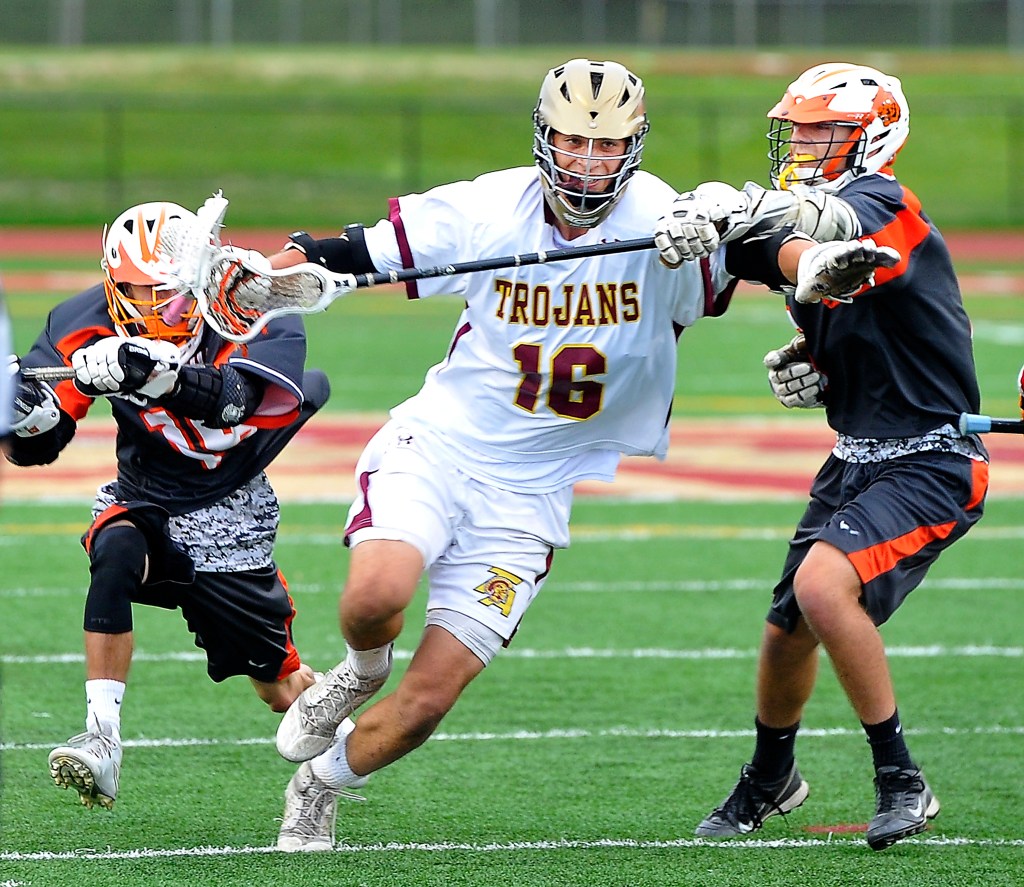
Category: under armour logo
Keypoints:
(843, 525)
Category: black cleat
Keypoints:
(751, 802)
(903, 805)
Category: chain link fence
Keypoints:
(933, 24)
(290, 160)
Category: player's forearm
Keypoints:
(789, 255)
(345, 254)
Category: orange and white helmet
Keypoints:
(134, 252)
(871, 117)
(595, 100)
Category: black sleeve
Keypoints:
(757, 260)
(344, 254)
(41, 449)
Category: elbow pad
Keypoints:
(344, 254)
(220, 397)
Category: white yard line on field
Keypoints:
(556, 586)
(509, 846)
(562, 733)
(927, 651)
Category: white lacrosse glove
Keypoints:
(255, 261)
(837, 269)
(698, 220)
(144, 367)
(793, 379)
(36, 407)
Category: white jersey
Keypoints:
(554, 370)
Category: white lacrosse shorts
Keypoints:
(487, 551)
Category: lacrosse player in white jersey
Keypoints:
(553, 373)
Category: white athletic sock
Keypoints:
(331, 767)
(370, 663)
(103, 700)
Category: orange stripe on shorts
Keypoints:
(881, 558)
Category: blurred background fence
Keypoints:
(723, 23)
(322, 162)
(316, 111)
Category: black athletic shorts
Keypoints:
(892, 519)
(243, 620)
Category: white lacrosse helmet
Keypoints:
(872, 124)
(594, 100)
(135, 251)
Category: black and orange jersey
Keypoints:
(898, 358)
(176, 462)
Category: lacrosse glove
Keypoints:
(794, 380)
(142, 368)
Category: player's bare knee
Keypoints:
(815, 600)
(365, 606)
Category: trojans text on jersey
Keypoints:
(569, 305)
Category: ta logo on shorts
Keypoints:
(499, 591)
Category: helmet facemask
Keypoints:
(590, 102)
(143, 298)
(840, 152)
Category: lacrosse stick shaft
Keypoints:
(48, 374)
(972, 423)
(238, 300)
(514, 261)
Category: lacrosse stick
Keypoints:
(48, 374)
(972, 423)
(238, 299)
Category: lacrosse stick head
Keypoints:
(243, 293)
(144, 296)
(190, 249)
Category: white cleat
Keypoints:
(308, 726)
(90, 763)
(310, 810)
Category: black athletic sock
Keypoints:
(774, 751)
(888, 746)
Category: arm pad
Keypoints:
(220, 397)
(344, 254)
(816, 213)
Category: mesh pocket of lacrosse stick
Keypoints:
(238, 300)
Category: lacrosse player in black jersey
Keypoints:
(893, 368)
(190, 521)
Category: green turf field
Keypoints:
(588, 752)
(584, 756)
